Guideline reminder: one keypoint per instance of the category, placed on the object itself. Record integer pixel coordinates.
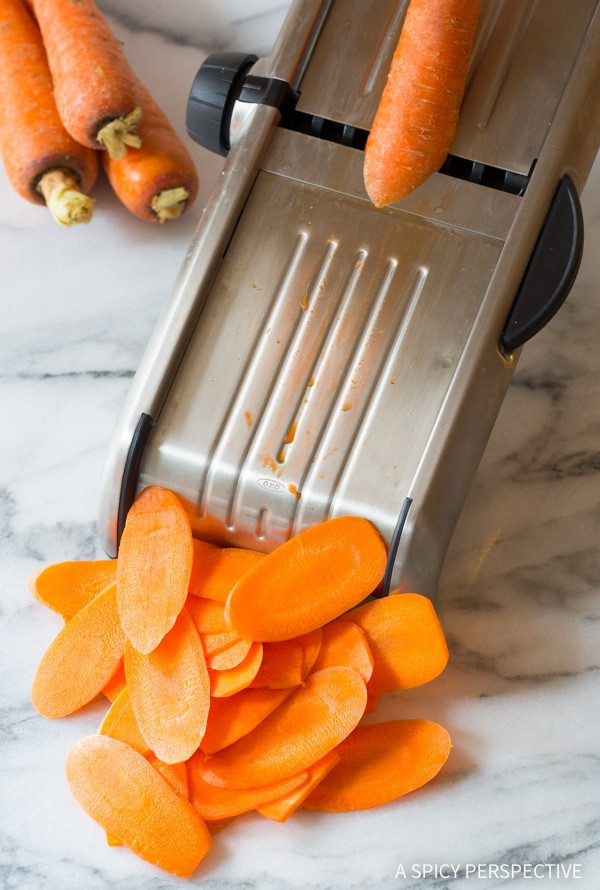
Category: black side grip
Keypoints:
(131, 471)
(551, 271)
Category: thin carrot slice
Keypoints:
(305, 727)
(230, 656)
(344, 642)
(308, 581)
(208, 615)
(154, 567)
(416, 119)
(120, 723)
(170, 691)
(236, 715)
(118, 788)
(233, 680)
(212, 802)
(288, 662)
(372, 702)
(175, 774)
(81, 659)
(116, 684)
(215, 643)
(66, 587)
(216, 570)
(380, 762)
(281, 809)
(406, 640)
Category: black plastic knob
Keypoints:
(216, 86)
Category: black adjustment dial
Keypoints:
(216, 86)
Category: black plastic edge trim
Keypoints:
(132, 469)
(394, 544)
(551, 270)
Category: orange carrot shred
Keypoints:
(234, 716)
(233, 680)
(154, 567)
(81, 659)
(305, 727)
(344, 642)
(380, 762)
(281, 809)
(308, 581)
(129, 798)
(405, 638)
(416, 119)
(170, 691)
(66, 587)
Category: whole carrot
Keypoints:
(157, 181)
(95, 88)
(43, 162)
(416, 119)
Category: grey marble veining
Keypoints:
(519, 596)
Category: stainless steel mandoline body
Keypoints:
(319, 356)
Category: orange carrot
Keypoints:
(234, 679)
(81, 659)
(307, 581)
(305, 727)
(235, 716)
(212, 802)
(405, 638)
(118, 788)
(281, 809)
(230, 656)
(174, 773)
(380, 762)
(217, 569)
(154, 567)
(66, 587)
(170, 691)
(44, 164)
(157, 181)
(120, 723)
(416, 119)
(344, 642)
(95, 88)
(288, 662)
(208, 615)
(116, 684)
(217, 642)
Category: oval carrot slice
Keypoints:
(123, 792)
(154, 567)
(120, 723)
(308, 580)
(66, 587)
(81, 659)
(288, 662)
(416, 119)
(170, 691)
(230, 656)
(282, 808)
(305, 727)
(380, 762)
(208, 615)
(232, 680)
(217, 569)
(234, 716)
(344, 642)
(405, 638)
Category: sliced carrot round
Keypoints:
(308, 580)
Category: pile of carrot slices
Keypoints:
(238, 681)
(71, 98)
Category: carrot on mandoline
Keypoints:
(281, 809)
(213, 802)
(232, 680)
(344, 642)
(235, 716)
(157, 181)
(95, 88)
(380, 762)
(81, 659)
(217, 569)
(309, 580)
(154, 567)
(306, 726)
(66, 587)
(44, 164)
(405, 638)
(129, 798)
(169, 690)
(288, 662)
(417, 115)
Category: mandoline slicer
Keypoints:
(319, 356)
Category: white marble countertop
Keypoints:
(519, 596)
